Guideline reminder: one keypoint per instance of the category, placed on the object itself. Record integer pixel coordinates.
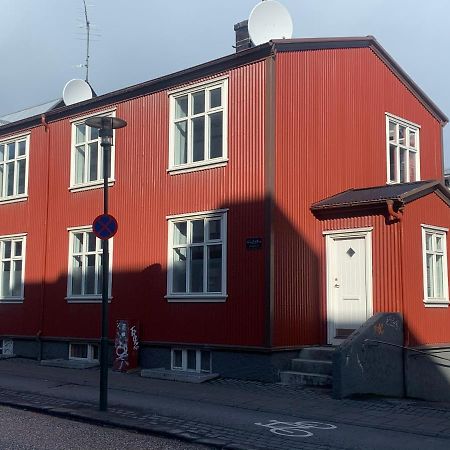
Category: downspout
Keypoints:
(399, 216)
(269, 198)
(393, 214)
(44, 269)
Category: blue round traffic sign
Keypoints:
(104, 226)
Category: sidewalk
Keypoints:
(215, 413)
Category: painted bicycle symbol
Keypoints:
(295, 429)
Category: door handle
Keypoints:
(336, 285)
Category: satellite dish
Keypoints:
(269, 20)
(76, 91)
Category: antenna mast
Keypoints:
(88, 32)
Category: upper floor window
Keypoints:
(85, 265)
(197, 256)
(198, 126)
(14, 168)
(12, 262)
(403, 157)
(87, 157)
(435, 275)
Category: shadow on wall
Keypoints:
(242, 323)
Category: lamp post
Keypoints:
(106, 125)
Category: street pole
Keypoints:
(106, 125)
(105, 281)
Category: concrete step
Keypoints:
(320, 353)
(307, 379)
(177, 375)
(311, 366)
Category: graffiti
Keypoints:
(393, 322)
(379, 328)
(134, 336)
(295, 429)
(121, 346)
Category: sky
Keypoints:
(42, 41)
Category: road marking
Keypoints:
(296, 429)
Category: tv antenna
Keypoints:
(88, 35)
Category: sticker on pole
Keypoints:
(104, 226)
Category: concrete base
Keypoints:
(69, 363)
(173, 375)
(428, 373)
(7, 356)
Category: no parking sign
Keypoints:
(104, 226)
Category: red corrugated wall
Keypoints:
(143, 195)
(425, 325)
(28, 217)
(330, 136)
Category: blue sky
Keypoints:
(41, 42)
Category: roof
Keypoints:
(226, 63)
(30, 112)
(401, 193)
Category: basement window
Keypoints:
(403, 156)
(198, 127)
(83, 352)
(435, 274)
(6, 347)
(191, 360)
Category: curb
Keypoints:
(95, 418)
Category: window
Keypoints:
(198, 127)
(87, 157)
(191, 360)
(85, 265)
(14, 168)
(403, 157)
(435, 275)
(83, 352)
(12, 261)
(197, 256)
(6, 347)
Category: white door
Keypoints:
(349, 283)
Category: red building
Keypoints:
(268, 200)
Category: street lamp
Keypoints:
(106, 125)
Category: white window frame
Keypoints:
(87, 298)
(197, 296)
(89, 352)
(15, 197)
(441, 232)
(409, 126)
(184, 359)
(207, 163)
(95, 184)
(13, 237)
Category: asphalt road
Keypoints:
(225, 413)
(25, 430)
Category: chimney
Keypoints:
(243, 40)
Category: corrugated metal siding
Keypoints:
(330, 137)
(143, 195)
(28, 217)
(425, 325)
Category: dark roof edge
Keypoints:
(167, 81)
(226, 63)
(419, 192)
(362, 42)
(434, 186)
(350, 205)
